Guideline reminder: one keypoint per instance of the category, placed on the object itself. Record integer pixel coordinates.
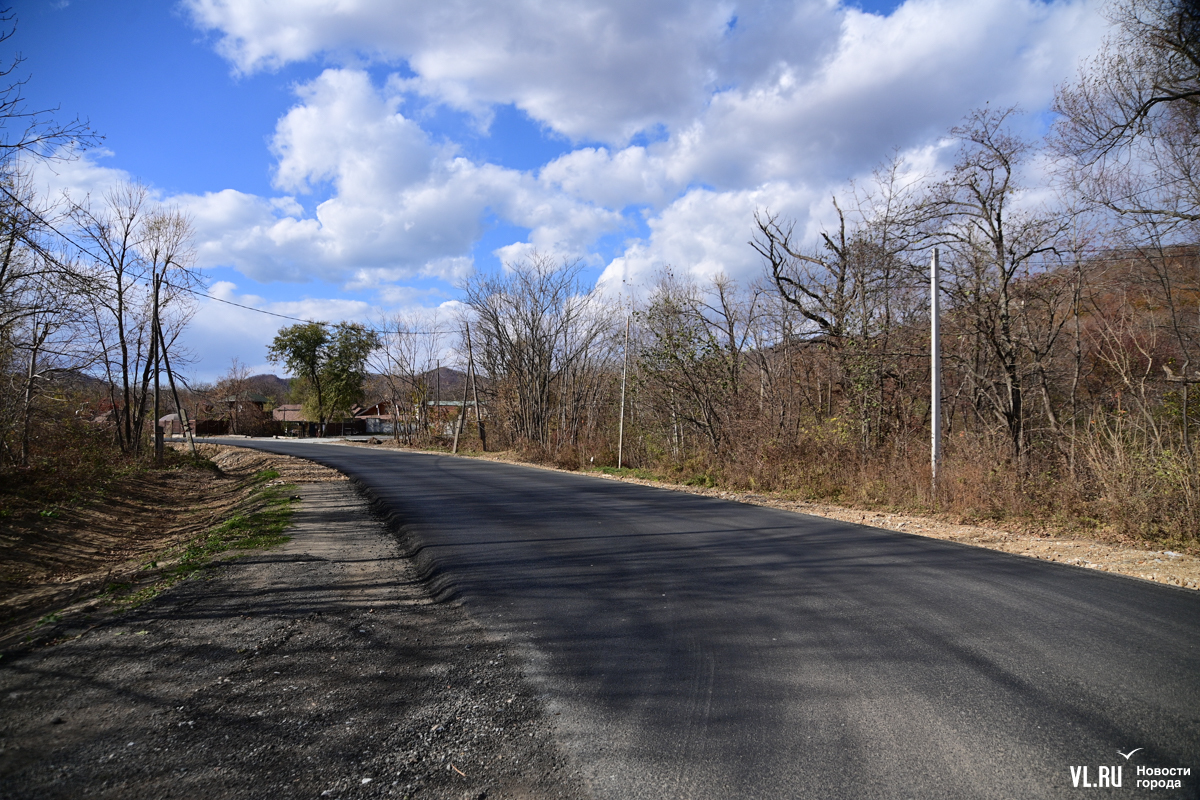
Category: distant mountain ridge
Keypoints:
(270, 386)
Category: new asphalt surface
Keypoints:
(697, 648)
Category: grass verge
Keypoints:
(258, 525)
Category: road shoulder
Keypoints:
(320, 668)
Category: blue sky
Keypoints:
(349, 160)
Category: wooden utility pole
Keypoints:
(179, 409)
(621, 424)
(158, 431)
(935, 371)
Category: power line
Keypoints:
(190, 290)
(49, 224)
(199, 293)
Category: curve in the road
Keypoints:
(701, 648)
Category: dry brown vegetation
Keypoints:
(1071, 330)
(727, 390)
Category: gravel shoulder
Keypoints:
(321, 668)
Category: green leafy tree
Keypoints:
(346, 366)
(329, 364)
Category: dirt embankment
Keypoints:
(60, 561)
(320, 668)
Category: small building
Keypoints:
(376, 418)
(444, 414)
(246, 401)
(292, 419)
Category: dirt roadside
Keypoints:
(320, 668)
(66, 559)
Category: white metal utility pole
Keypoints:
(621, 425)
(935, 370)
(475, 393)
(467, 382)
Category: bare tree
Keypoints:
(40, 286)
(692, 355)
(854, 288)
(113, 293)
(409, 351)
(42, 294)
(113, 231)
(233, 392)
(536, 326)
(32, 133)
(1130, 125)
(821, 283)
(141, 273)
(975, 211)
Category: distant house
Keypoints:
(246, 401)
(289, 412)
(444, 414)
(293, 421)
(246, 413)
(171, 425)
(209, 420)
(376, 418)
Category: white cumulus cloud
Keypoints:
(399, 206)
(692, 114)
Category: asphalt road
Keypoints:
(699, 648)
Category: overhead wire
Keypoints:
(199, 293)
(190, 290)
